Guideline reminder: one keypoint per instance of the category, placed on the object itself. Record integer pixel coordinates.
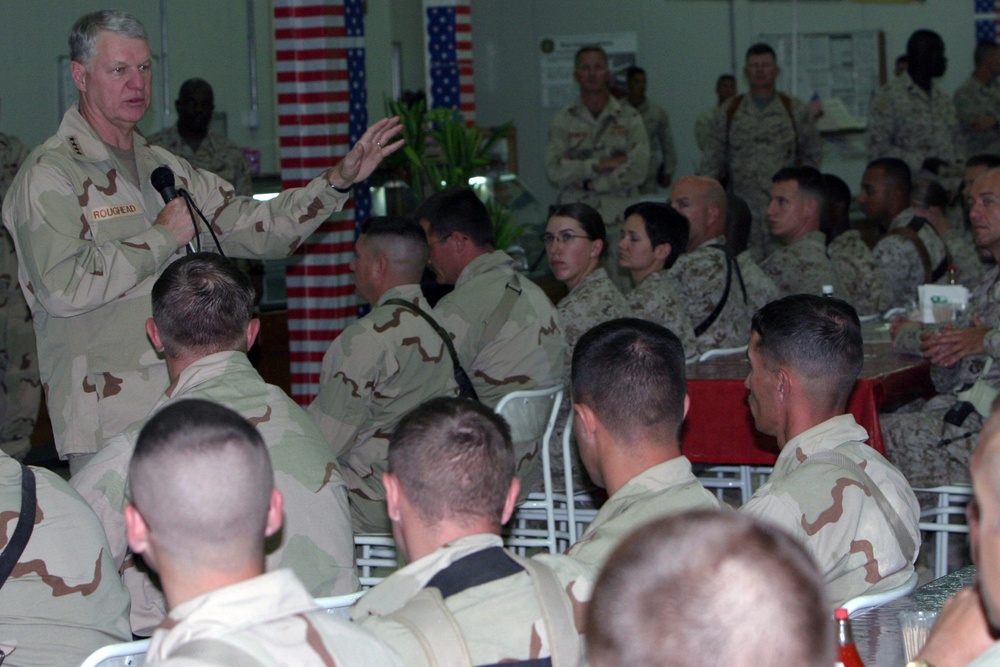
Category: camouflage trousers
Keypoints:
(928, 451)
(20, 386)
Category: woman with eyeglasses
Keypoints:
(653, 237)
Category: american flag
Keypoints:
(986, 6)
(448, 36)
(322, 111)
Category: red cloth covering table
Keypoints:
(719, 428)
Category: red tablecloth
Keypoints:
(719, 428)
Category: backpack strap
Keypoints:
(557, 613)
(25, 525)
(439, 634)
(465, 388)
(911, 232)
(730, 265)
(502, 312)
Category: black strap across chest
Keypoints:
(25, 525)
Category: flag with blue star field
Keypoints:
(448, 36)
(322, 112)
(986, 26)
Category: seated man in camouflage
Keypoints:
(204, 502)
(462, 597)
(852, 509)
(934, 446)
(663, 599)
(708, 274)
(383, 365)
(203, 322)
(63, 598)
(800, 265)
(630, 399)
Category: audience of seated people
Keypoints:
(224, 511)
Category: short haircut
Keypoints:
(724, 77)
(739, 219)
(663, 225)
(809, 180)
(458, 209)
(761, 49)
(202, 304)
(454, 460)
(989, 160)
(983, 49)
(928, 193)
(836, 219)
(819, 337)
(84, 33)
(403, 241)
(896, 172)
(589, 219)
(190, 86)
(920, 42)
(709, 589)
(632, 71)
(589, 48)
(201, 477)
(631, 373)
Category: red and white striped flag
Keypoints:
(448, 38)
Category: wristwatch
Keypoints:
(918, 663)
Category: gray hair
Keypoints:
(83, 35)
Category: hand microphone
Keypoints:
(163, 180)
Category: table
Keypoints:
(719, 428)
(876, 630)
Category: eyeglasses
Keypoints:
(563, 238)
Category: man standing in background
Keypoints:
(977, 101)
(662, 156)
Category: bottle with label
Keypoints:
(848, 651)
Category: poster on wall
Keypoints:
(557, 52)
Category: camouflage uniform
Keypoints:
(657, 299)
(268, 620)
(578, 142)
(593, 300)
(528, 350)
(859, 273)
(761, 290)
(973, 99)
(215, 153)
(378, 369)
(899, 260)
(762, 140)
(666, 488)
(661, 144)
(500, 621)
(802, 267)
(912, 439)
(964, 257)
(63, 599)
(316, 540)
(988, 658)
(89, 255)
(20, 387)
(701, 275)
(907, 123)
(832, 512)
(703, 128)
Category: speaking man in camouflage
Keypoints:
(63, 599)
(383, 365)
(755, 135)
(203, 322)
(977, 101)
(662, 155)
(598, 152)
(20, 386)
(911, 253)
(912, 119)
(934, 446)
(663, 599)
(191, 140)
(505, 328)
(463, 599)
(92, 234)
(708, 273)
(853, 511)
(801, 266)
(206, 540)
(629, 401)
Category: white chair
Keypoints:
(862, 602)
(339, 605)
(532, 415)
(722, 352)
(371, 552)
(739, 477)
(126, 654)
(945, 519)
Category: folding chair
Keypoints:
(125, 654)
(862, 602)
(945, 519)
(339, 605)
(373, 552)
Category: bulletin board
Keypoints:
(841, 70)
